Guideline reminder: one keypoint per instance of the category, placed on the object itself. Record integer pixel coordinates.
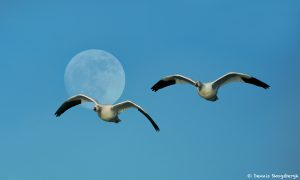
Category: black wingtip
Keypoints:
(156, 127)
(153, 89)
(151, 120)
(256, 82)
(65, 106)
(162, 84)
(56, 114)
(267, 87)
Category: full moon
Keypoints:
(95, 73)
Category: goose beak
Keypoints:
(94, 108)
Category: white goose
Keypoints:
(209, 90)
(107, 113)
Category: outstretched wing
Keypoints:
(74, 101)
(238, 77)
(171, 80)
(120, 107)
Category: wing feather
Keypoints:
(171, 80)
(74, 101)
(120, 107)
(238, 77)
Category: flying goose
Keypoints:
(208, 90)
(107, 113)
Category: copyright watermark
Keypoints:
(272, 176)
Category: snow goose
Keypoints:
(209, 90)
(107, 113)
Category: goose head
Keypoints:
(198, 84)
(96, 108)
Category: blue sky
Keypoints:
(249, 130)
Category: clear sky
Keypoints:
(249, 130)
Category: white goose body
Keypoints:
(108, 113)
(208, 90)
